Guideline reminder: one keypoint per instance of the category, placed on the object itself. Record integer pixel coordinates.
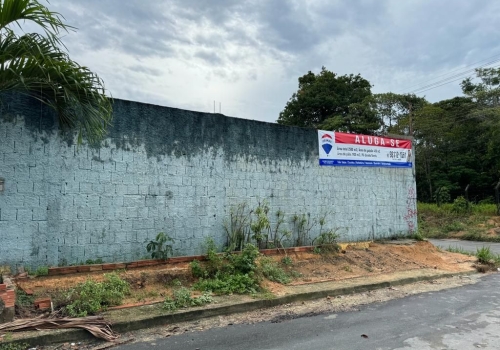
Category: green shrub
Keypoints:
(182, 297)
(42, 271)
(460, 205)
(215, 262)
(229, 273)
(273, 272)
(244, 262)
(196, 269)
(442, 195)
(89, 297)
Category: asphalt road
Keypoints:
(462, 318)
(469, 246)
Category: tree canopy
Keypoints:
(329, 101)
(38, 65)
(457, 141)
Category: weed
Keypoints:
(229, 284)
(260, 225)
(142, 296)
(159, 248)
(439, 222)
(254, 225)
(8, 336)
(273, 272)
(40, 271)
(328, 237)
(196, 269)
(458, 250)
(152, 294)
(486, 209)
(214, 260)
(347, 268)
(238, 227)
(302, 225)
(231, 273)
(182, 299)
(89, 297)
(12, 346)
(317, 250)
(176, 282)
(486, 256)
(454, 226)
(265, 294)
(244, 262)
(473, 235)
(94, 262)
(418, 236)
(287, 261)
(24, 300)
(277, 236)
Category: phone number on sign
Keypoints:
(396, 154)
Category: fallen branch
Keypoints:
(96, 325)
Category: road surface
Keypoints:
(462, 318)
(469, 246)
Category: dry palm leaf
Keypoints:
(96, 325)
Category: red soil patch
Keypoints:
(155, 282)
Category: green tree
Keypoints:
(332, 102)
(486, 94)
(35, 64)
(397, 111)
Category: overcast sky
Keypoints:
(247, 55)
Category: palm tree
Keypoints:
(35, 65)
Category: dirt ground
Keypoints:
(329, 307)
(151, 284)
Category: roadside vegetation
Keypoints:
(486, 259)
(460, 219)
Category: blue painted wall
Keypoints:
(172, 170)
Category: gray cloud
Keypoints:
(248, 51)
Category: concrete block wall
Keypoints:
(176, 171)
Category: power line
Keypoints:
(456, 69)
(432, 86)
(453, 77)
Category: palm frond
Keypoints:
(13, 12)
(33, 64)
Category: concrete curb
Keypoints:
(72, 335)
